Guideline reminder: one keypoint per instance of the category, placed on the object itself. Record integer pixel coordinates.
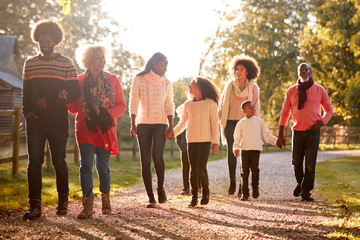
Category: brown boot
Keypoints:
(105, 199)
(88, 203)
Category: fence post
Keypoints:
(47, 153)
(16, 142)
(118, 132)
(76, 152)
(172, 149)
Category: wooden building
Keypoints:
(10, 81)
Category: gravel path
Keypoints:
(275, 215)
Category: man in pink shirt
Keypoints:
(304, 101)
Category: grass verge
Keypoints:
(339, 183)
(124, 173)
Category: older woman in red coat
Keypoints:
(101, 102)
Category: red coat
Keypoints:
(109, 139)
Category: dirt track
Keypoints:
(275, 215)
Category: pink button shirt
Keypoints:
(303, 119)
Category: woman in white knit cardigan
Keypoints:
(201, 121)
(244, 71)
(151, 109)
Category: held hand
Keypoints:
(281, 142)
(236, 153)
(170, 133)
(317, 125)
(41, 103)
(215, 148)
(133, 131)
(31, 114)
(62, 94)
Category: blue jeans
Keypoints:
(305, 144)
(151, 140)
(36, 135)
(87, 152)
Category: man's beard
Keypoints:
(47, 52)
(304, 79)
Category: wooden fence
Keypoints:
(329, 135)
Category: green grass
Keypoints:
(124, 173)
(338, 182)
(326, 147)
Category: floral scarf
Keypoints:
(97, 93)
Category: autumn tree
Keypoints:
(86, 24)
(267, 31)
(332, 47)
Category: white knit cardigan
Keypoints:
(151, 103)
(201, 121)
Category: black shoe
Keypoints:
(193, 202)
(150, 203)
(244, 198)
(297, 191)
(185, 191)
(161, 195)
(205, 198)
(255, 192)
(307, 199)
(232, 187)
(34, 210)
(62, 207)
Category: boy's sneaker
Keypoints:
(307, 199)
(255, 193)
(244, 198)
(193, 202)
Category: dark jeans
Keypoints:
(57, 138)
(198, 155)
(229, 135)
(151, 140)
(249, 161)
(305, 144)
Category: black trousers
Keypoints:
(249, 161)
(229, 135)
(198, 156)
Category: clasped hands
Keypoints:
(169, 133)
(42, 104)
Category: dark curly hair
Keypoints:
(248, 62)
(208, 89)
(48, 27)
